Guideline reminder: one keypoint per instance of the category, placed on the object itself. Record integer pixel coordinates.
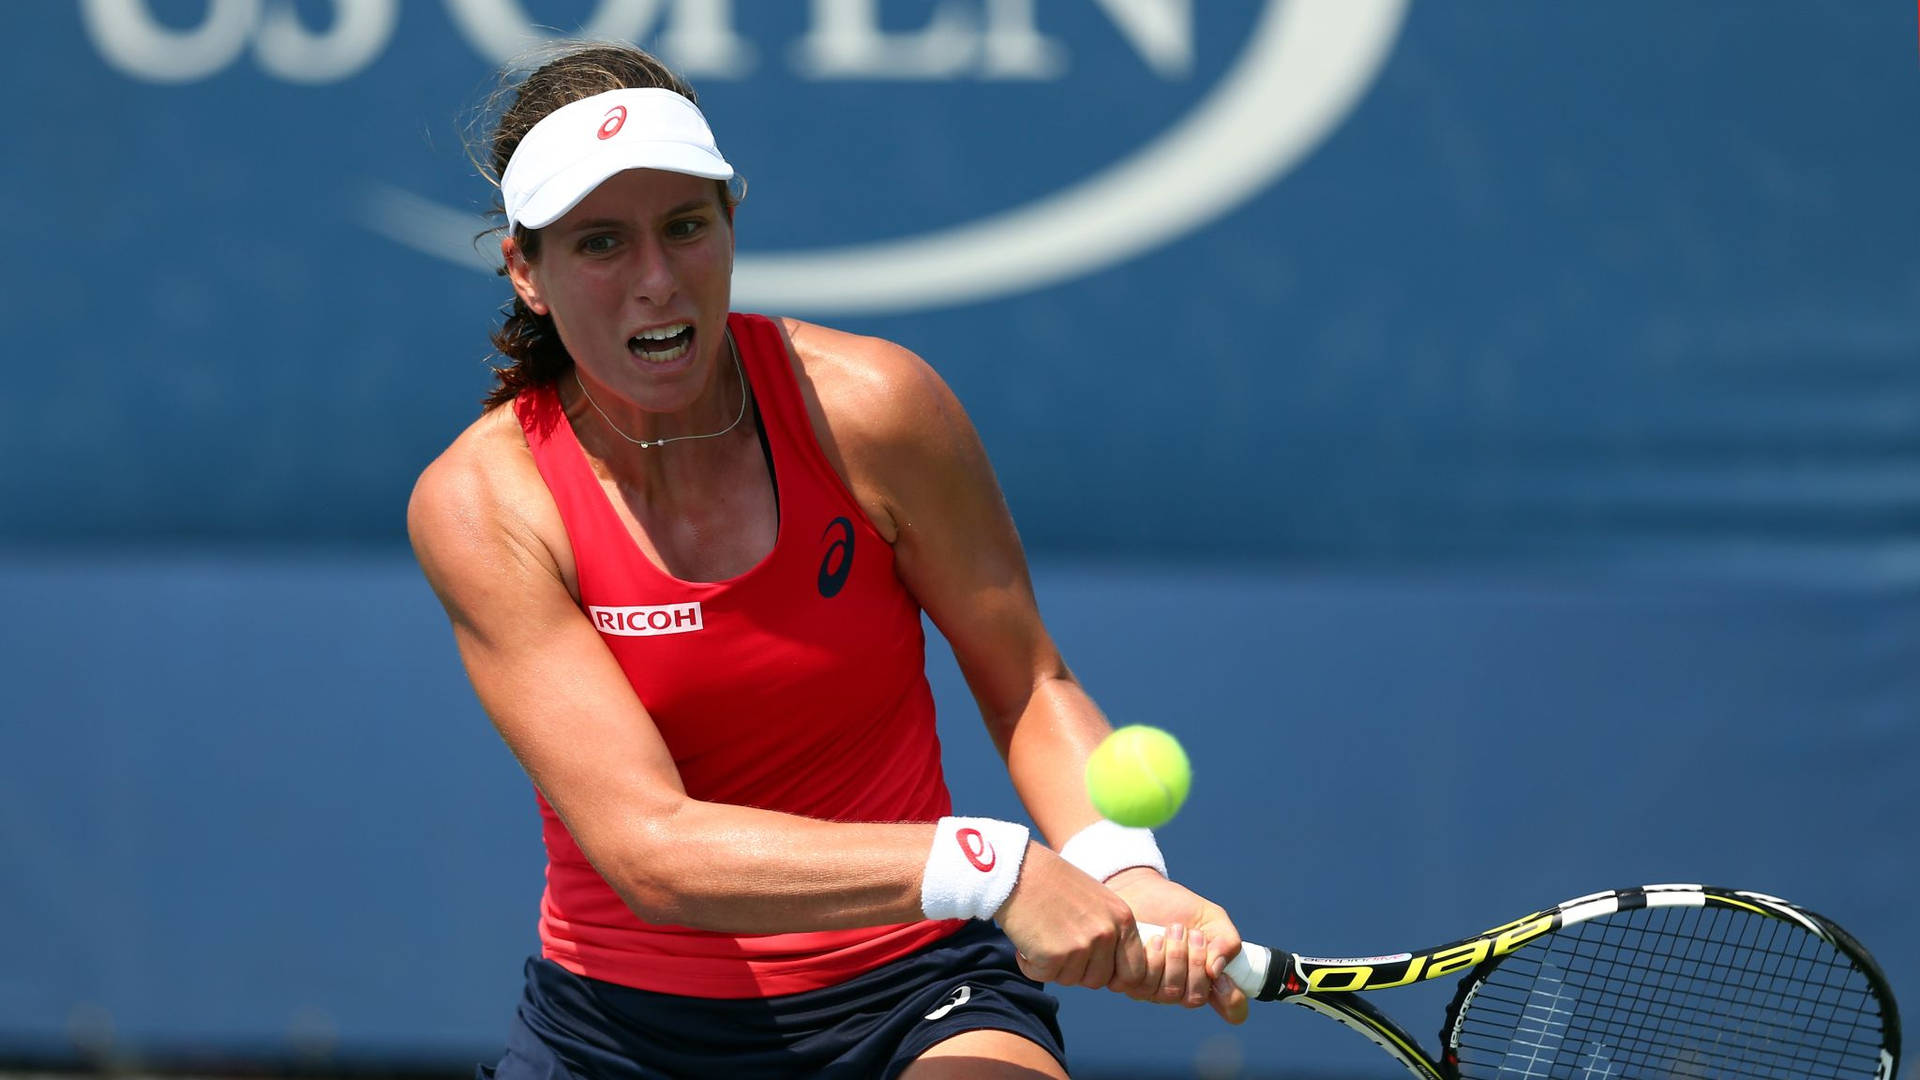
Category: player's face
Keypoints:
(638, 278)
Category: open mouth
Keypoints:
(663, 344)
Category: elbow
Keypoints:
(652, 873)
(648, 894)
(654, 906)
(1052, 693)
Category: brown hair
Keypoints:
(529, 342)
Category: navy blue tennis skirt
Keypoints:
(874, 1025)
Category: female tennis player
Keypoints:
(685, 552)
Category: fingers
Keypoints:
(1223, 944)
(1173, 978)
(1199, 983)
(1073, 968)
(1093, 970)
(1183, 966)
(1187, 966)
(1228, 1000)
(1036, 971)
(1067, 928)
(1071, 931)
(1176, 974)
(1145, 986)
(1177, 969)
(1129, 962)
(1090, 965)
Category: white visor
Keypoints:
(576, 147)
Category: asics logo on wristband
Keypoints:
(972, 867)
(977, 850)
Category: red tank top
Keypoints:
(798, 686)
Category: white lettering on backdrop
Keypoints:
(984, 39)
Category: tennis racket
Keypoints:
(1637, 984)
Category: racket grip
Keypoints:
(1248, 968)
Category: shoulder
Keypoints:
(870, 388)
(884, 416)
(480, 501)
(479, 471)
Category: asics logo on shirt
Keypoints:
(647, 621)
(834, 571)
(960, 997)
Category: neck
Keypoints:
(649, 433)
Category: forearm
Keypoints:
(737, 869)
(1046, 745)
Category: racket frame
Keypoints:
(1330, 985)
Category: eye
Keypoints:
(597, 243)
(682, 228)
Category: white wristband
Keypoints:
(1103, 849)
(972, 867)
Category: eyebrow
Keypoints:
(606, 223)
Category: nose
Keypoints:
(654, 280)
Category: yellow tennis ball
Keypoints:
(1138, 776)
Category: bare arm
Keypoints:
(483, 529)
(956, 548)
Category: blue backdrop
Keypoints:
(1489, 435)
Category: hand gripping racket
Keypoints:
(1636, 984)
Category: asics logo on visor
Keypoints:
(616, 116)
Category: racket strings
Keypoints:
(1673, 992)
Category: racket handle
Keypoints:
(1248, 969)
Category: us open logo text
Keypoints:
(1303, 67)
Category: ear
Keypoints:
(520, 272)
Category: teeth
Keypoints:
(663, 332)
(659, 356)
